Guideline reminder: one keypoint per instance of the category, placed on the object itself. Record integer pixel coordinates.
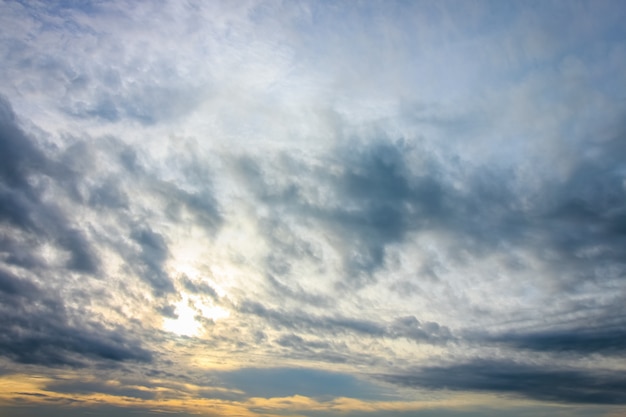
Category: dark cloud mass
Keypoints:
(38, 329)
(374, 201)
(601, 339)
(37, 326)
(559, 385)
(23, 205)
(152, 255)
(384, 193)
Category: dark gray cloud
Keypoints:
(296, 292)
(603, 339)
(587, 216)
(14, 286)
(21, 203)
(199, 287)
(37, 328)
(528, 380)
(99, 175)
(109, 195)
(151, 259)
(37, 324)
(167, 311)
(298, 343)
(201, 204)
(324, 349)
(376, 195)
(380, 202)
(19, 154)
(380, 195)
(372, 204)
(407, 327)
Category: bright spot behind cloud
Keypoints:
(185, 324)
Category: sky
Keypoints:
(313, 208)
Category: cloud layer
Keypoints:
(267, 208)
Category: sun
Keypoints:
(186, 323)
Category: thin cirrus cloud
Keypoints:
(266, 208)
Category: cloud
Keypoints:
(43, 244)
(608, 340)
(152, 257)
(546, 384)
(403, 327)
(199, 288)
(368, 202)
(257, 192)
(87, 387)
(38, 329)
(22, 204)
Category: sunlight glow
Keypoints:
(189, 309)
(185, 324)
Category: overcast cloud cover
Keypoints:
(359, 208)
